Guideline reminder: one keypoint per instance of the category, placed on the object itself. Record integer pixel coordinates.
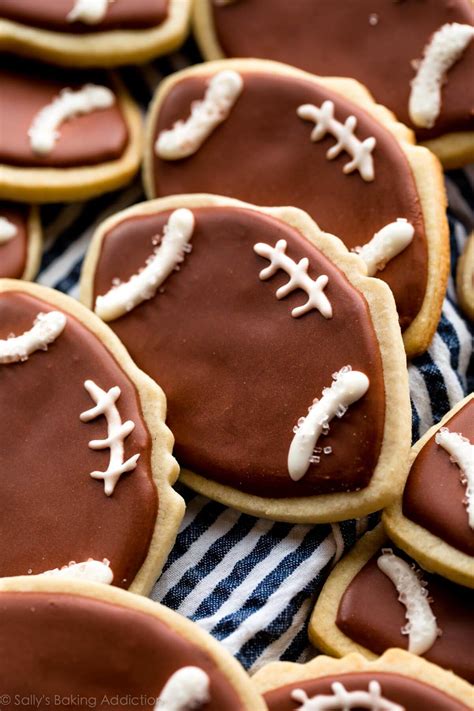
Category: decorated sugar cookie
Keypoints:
(20, 240)
(243, 315)
(465, 278)
(85, 455)
(93, 33)
(115, 649)
(416, 58)
(322, 146)
(397, 681)
(66, 135)
(377, 597)
(434, 519)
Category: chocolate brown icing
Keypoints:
(53, 512)
(371, 615)
(337, 39)
(409, 693)
(13, 254)
(52, 15)
(291, 170)
(434, 493)
(27, 87)
(237, 369)
(61, 644)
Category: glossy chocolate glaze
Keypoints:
(27, 87)
(371, 615)
(291, 170)
(434, 493)
(409, 693)
(61, 644)
(53, 512)
(52, 15)
(13, 254)
(338, 39)
(237, 369)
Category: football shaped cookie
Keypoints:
(66, 134)
(20, 240)
(93, 33)
(273, 135)
(417, 58)
(113, 649)
(377, 597)
(84, 451)
(281, 361)
(434, 519)
(397, 681)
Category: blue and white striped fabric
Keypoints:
(252, 583)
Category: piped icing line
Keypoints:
(7, 230)
(360, 151)
(44, 129)
(142, 286)
(186, 689)
(91, 12)
(343, 699)
(348, 386)
(117, 432)
(46, 328)
(421, 626)
(93, 571)
(444, 49)
(299, 278)
(461, 452)
(386, 244)
(186, 137)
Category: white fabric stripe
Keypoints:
(464, 337)
(64, 219)
(279, 599)
(61, 267)
(421, 398)
(338, 542)
(460, 234)
(239, 594)
(439, 352)
(195, 553)
(207, 585)
(276, 649)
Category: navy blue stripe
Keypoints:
(271, 582)
(70, 280)
(415, 423)
(242, 569)
(463, 184)
(435, 384)
(199, 525)
(297, 646)
(211, 558)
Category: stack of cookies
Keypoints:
(246, 328)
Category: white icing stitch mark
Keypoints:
(117, 432)
(444, 49)
(186, 689)
(142, 286)
(421, 625)
(461, 452)
(45, 330)
(44, 133)
(299, 278)
(186, 137)
(94, 571)
(346, 140)
(7, 230)
(91, 12)
(348, 387)
(343, 699)
(386, 244)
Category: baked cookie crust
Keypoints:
(465, 278)
(424, 165)
(153, 405)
